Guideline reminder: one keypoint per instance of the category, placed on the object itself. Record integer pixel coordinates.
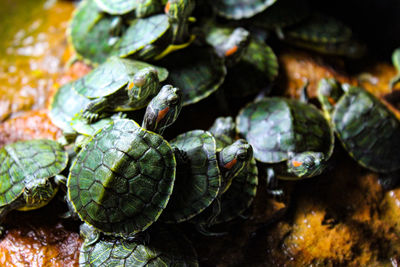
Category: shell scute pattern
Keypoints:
(128, 194)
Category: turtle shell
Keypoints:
(90, 32)
(276, 127)
(24, 161)
(197, 184)
(197, 71)
(117, 7)
(319, 28)
(65, 103)
(239, 9)
(122, 179)
(140, 33)
(112, 75)
(368, 130)
(167, 247)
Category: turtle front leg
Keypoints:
(273, 187)
(71, 213)
(94, 109)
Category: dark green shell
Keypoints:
(166, 248)
(369, 131)
(198, 184)
(275, 127)
(197, 71)
(91, 32)
(117, 7)
(256, 70)
(282, 14)
(65, 104)
(112, 75)
(239, 9)
(319, 28)
(122, 180)
(142, 32)
(24, 161)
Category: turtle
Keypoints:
(290, 138)
(105, 89)
(239, 196)
(240, 9)
(198, 71)
(396, 64)
(367, 129)
(157, 35)
(202, 172)
(122, 179)
(30, 174)
(92, 33)
(166, 247)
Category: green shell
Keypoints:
(319, 28)
(142, 32)
(197, 71)
(259, 65)
(282, 14)
(112, 75)
(91, 32)
(65, 104)
(117, 7)
(123, 178)
(198, 184)
(368, 130)
(239, 9)
(24, 161)
(275, 127)
(166, 248)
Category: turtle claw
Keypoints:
(90, 117)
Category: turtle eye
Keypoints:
(173, 100)
(242, 155)
(139, 81)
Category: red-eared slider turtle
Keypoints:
(30, 174)
(197, 71)
(396, 64)
(324, 34)
(166, 247)
(239, 196)
(203, 172)
(239, 9)
(368, 130)
(116, 85)
(292, 137)
(122, 179)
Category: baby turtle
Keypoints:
(203, 172)
(166, 247)
(122, 179)
(30, 174)
(368, 130)
(292, 138)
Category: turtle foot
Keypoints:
(90, 117)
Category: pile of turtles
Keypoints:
(130, 186)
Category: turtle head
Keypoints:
(233, 49)
(307, 164)
(223, 128)
(144, 84)
(232, 159)
(179, 10)
(329, 93)
(39, 192)
(163, 109)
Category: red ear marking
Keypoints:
(332, 101)
(230, 164)
(166, 10)
(231, 51)
(297, 163)
(162, 114)
(131, 85)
